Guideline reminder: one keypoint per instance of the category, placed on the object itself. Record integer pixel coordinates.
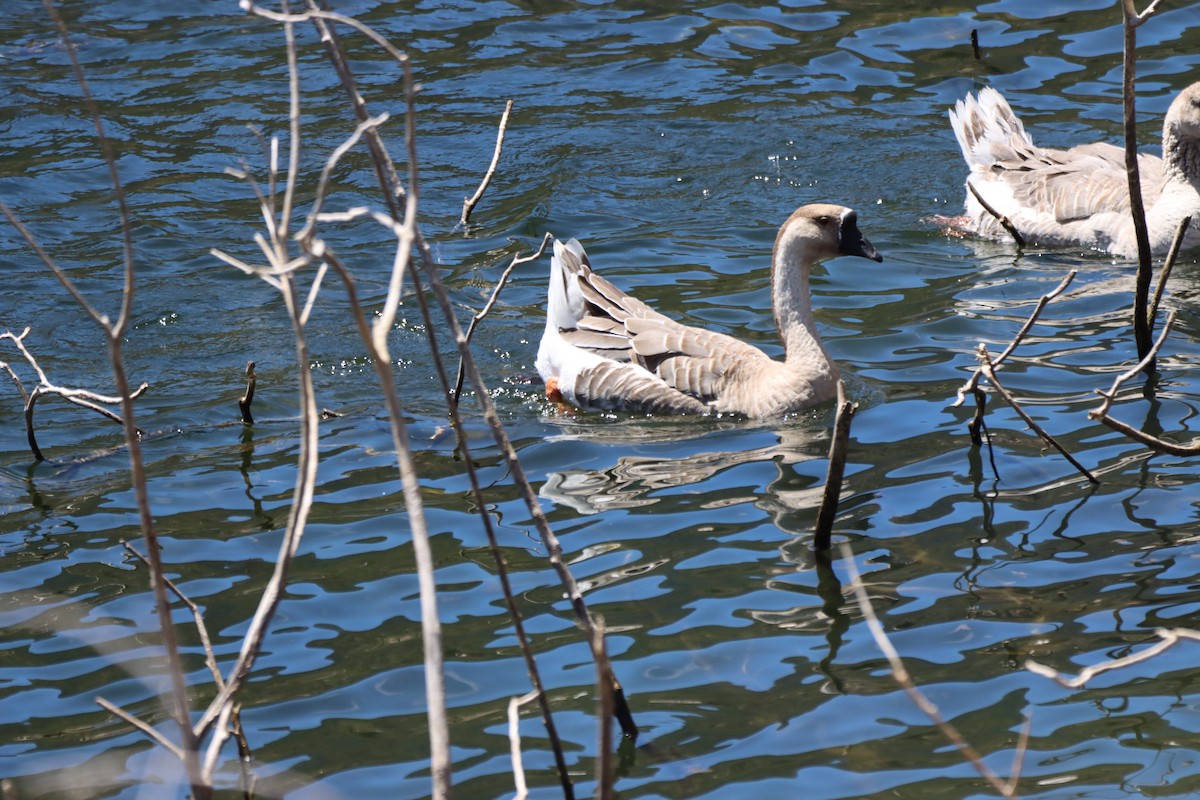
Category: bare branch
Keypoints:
(971, 386)
(1111, 394)
(331, 16)
(1153, 442)
(247, 399)
(604, 712)
(54, 268)
(144, 727)
(80, 397)
(469, 203)
(1167, 266)
(323, 184)
(837, 469)
(210, 657)
(1134, 18)
(483, 312)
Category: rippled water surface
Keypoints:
(672, 143)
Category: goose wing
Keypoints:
(1070, 185)
(618, 327)
(1078, 183)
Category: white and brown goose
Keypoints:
(1078, 196)
(605, 349)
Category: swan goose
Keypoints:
(603, 348)
(1078, 196)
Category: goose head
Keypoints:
(1181, 137)
(819, 231)
(1183, 117)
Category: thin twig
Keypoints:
(110, 161)
(1168, 265)
(990, 374)
(1004, 221)
(837, 469)
(514, 742)
(971, 386)
(144, 727)
(1169, 636)
(210, 656)
(1127, 375)
(483, 312)
(282, 274)
(1153, 442)
(469, 203)
(901, 676)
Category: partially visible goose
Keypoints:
(1078, 196)
(605, 349)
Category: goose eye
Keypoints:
(822, 221)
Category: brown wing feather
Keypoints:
(1078, 183)
(693, 362)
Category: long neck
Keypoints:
(1179, 195)
(793, 305)
(1181, 157)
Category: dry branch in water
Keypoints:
(471, 372)
(837, 469)
(483, 312)
(470, 202)
(1101, 415)
(80, 397)
(1167, 266)
(988, 367)
(1143, 329)
(901, 676)
(245, 401)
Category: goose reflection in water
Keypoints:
(633, 481)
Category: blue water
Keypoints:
(672, 142)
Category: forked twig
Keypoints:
(900, 675)
(1169, 636)
(1156, 444)
(823, 532)
(971, 386)
(483, 312)
(80, 397)
(470, 202)
(976, 427)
